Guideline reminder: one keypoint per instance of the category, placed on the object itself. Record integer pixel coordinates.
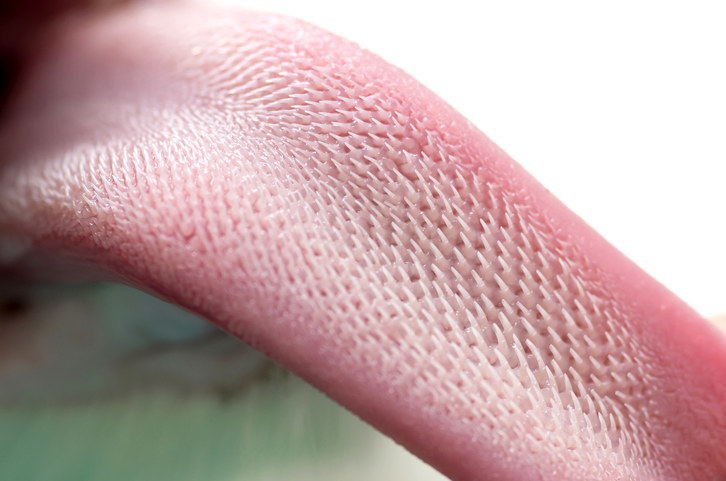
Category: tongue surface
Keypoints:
(324, 207)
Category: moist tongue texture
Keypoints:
(325, 208)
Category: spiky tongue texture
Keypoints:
(324, 207)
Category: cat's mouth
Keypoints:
(324, 207)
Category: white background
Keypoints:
(619, 108)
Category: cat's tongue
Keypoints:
(324, 207)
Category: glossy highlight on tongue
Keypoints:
(324, 207)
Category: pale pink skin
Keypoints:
(103, 84)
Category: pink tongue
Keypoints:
(324, 207)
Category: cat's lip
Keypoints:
(127, 126)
